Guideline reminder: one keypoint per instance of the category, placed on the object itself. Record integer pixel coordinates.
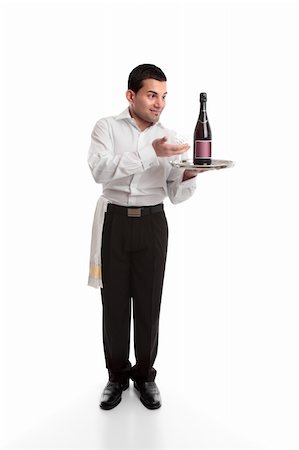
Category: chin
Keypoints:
(155, 119)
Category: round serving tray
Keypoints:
(213, 164)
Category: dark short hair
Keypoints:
(144, 72)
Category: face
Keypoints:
(148, 103)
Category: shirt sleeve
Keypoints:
(179, 190)
(106, 165)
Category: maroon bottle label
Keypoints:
(203, 149)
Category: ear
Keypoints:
(130, 96)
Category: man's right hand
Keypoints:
(162, 148)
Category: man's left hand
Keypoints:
(188, 174)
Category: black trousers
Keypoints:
(133, 262)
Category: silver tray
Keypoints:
(215, 164)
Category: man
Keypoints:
(130, 156)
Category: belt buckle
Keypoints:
(134, 212)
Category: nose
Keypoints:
(159, 103)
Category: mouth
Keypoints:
(155, 112)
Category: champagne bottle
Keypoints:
(202, 150)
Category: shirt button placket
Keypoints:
(136, 177)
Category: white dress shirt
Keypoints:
(121, 157)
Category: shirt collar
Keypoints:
(124, 115)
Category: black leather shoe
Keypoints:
(111, 395)
(149, 394)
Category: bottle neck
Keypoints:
(203, 106)
(203, 112)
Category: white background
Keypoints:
(228, 353)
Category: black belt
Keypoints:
(133, 211)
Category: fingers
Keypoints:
(184, 147)
(174, 148)
(178, 149)
(162, 148)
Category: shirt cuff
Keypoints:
(148, 157)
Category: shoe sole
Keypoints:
(147, 405)
(113, 405)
